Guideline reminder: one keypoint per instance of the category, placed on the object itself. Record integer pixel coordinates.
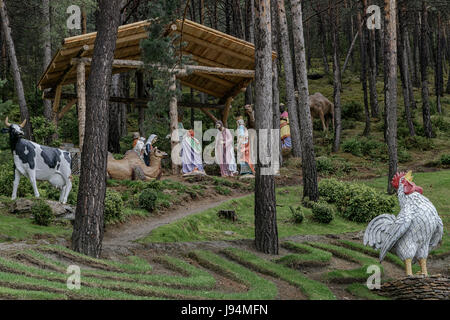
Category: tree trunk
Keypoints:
(48, 112)
(426, 110)
(266, 231)
(391, 87)
(289, 78)
(416, 54)
(173, 112)
(323, 40)
(410, 80)
(140, 93)
(250, 34)
(275, 78)
(363, 75)
(373, 75)
(88, 229)
(114, 116)
(404, 68)
(123, 108)
(439, 67)
(309, 168)
(24, 115)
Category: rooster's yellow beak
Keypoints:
(409, 176)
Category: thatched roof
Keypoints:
(206, 46)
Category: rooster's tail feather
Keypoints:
(375, 233)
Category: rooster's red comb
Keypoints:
(396, 179)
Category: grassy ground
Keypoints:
(206, 226)
(233, 273)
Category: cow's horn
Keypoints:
(7, 122)
(23, 123)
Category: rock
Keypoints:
(60, 209)
(435, 287)
(228, 233)
(21, 206)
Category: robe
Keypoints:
(191, 155)
(285, 132)
(244, 158)
(225, 153)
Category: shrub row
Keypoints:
(356, 202)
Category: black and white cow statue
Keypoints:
(38, 163)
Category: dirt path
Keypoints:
(126, 234)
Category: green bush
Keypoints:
(355, 202)
(361, 203)
(113, 207)
(43, 130)
(147, 199)
(331, 190)
(417, 143)
(7, 179)
(322, 212)
(352, 146)
(445, 159)
(440, 123)
(42, 213)
(325, 165)
(297, 214)
(352, 110)
(403, 155)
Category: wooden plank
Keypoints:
(210, 45)
(66, 109)
(57, 100)
(201, 89)
(210, 115)
(199, 105)
(226, 112)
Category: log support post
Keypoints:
(226, 112)
(81, 94)
(174, 122)
(140, 94)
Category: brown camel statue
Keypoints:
(321, 108)
(131, 167)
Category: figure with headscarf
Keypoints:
(225, 151)
(243, 148)
(191, 155)
(149, 148)
(285, 133)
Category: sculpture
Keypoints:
(149, 148)
(225, 151)
(243, 149)
(413, 233)
(191, 155)
(286, 143)
(131, 167)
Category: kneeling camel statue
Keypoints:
(131, 167)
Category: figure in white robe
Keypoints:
(191, 155)
(225, 151)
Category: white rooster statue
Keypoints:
(413, 233)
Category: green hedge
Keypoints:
(356, 202)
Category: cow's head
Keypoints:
(14, 130)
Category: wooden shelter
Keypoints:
(225, 67)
